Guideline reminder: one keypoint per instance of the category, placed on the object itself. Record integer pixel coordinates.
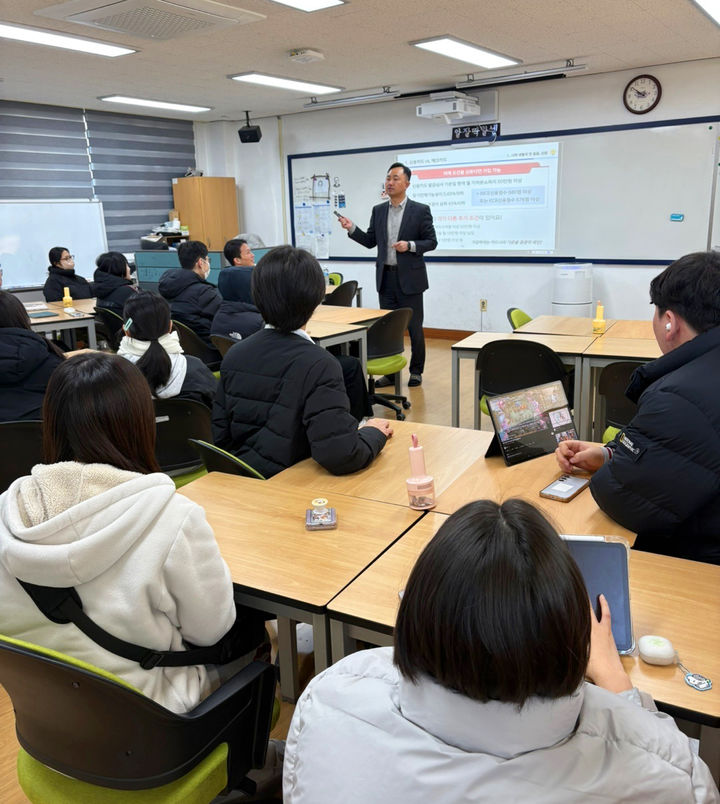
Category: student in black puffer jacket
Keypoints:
(61, 275)
(237, 316)
(660, 477)
(26, 362)
(281, 397)
(193, 300)
(112, 285)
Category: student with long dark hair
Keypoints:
(154, 347)
(27, 360)
(111, 282)
(99, 516)
(61, 275)
(483, 698)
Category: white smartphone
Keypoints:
(565, 487)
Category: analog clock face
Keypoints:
(642, 94)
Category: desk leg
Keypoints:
(476, 398)
(455, 386)
(321, 648)
(340, 642)
(710, 750)
(287, 656)
(91, 333)
(363, 351)
(585, 412)
(358, 297)
(578, 395)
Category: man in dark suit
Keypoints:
(402, 230)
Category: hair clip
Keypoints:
(127, 325)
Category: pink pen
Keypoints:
(420, 485)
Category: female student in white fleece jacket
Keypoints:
(483, 698)
(100, 517)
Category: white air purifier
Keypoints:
(572, 290)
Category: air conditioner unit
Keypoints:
(449, 106)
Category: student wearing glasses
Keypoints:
(61, 275)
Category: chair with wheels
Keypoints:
(109, 325)
(22, 448)
(193, 344)
(222, 343)
(176, 421)
(618, 409)
(335, 278)
(218, 460)
(87, 736)
(511, 365)
(385, 346)
(343, 295)
(517, 317)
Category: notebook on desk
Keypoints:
(530, 422)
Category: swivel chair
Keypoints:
(109, 325)
(343, 295)
(176, 421)
(218, 460)
(385, 346)
(619, 410)
(223, 343)
(193, 344)
(517, 317)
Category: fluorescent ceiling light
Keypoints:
(174, 107)
(711, 8)
(464, 51)
(37, 37)
(310, 5)
(285, 83)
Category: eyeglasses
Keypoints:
(68, 258)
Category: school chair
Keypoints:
(193, 344)
(222, 343)
(218, 460)
(335, 278)
(88, 736)
(176, 421)
(22, 448)
(385, 347)
(618, 409)
(511, 365)
(108, 325)
(517, 317)
(343, 295)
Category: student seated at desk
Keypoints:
(483, 697)
(111, 282)
(155, 349)
(237, 317)
(26, 362)
(61, 275)
(193, 300)
(660, 477)
(100, 517)
(281, 397)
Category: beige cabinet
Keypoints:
(208, 207)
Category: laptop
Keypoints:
(530, 422)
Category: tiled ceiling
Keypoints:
(365, 43)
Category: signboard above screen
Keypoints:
(632, 193)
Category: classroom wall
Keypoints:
(690, 89)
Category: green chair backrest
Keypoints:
(335, 278)
(517, 317)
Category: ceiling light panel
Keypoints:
(310, 5)
(465, 52)
(285, 83)
(37, 36)
(154, 104)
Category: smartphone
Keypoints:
(337, 214)
(565, 487)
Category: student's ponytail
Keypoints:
(149, 317)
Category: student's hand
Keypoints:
(401, 245)
(383, 425)
(604, 666)
(579, 455)
(346, 223)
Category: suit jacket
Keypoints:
(416, 225)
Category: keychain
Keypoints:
(694, 680)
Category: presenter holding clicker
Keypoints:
(402, 230)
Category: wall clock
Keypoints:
(642, 94)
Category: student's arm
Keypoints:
(198, 581)
(663, 468)
(200, 383)
(221, 418)
(210, 300)
(335, 441)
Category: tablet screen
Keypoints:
(604, 566)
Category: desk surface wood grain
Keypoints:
(562, 344)
(561, 325)
(327, 329)
(347, 315)
(632, 329)
(261, 532)
(449, 451)
(622, 348)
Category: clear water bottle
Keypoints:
(326, 274)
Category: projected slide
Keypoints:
(497, 198)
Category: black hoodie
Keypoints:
(193, 301)
(111, 291)
(58, 279)
(26, 363)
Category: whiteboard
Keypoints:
(29, 229)
(617, 191)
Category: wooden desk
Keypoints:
(329, 333)
(562, 325)
(569, 347)
(347, 315)
(632, 329)
(283, 568)
(602, 351)
(63, 321)
(490, 478)
(672, 597)
(448, 453)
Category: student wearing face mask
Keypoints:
(61, 275)
(193, 300)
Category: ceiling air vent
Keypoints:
(152, 19)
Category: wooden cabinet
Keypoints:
(208, 207)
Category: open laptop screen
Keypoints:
(531, 422)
